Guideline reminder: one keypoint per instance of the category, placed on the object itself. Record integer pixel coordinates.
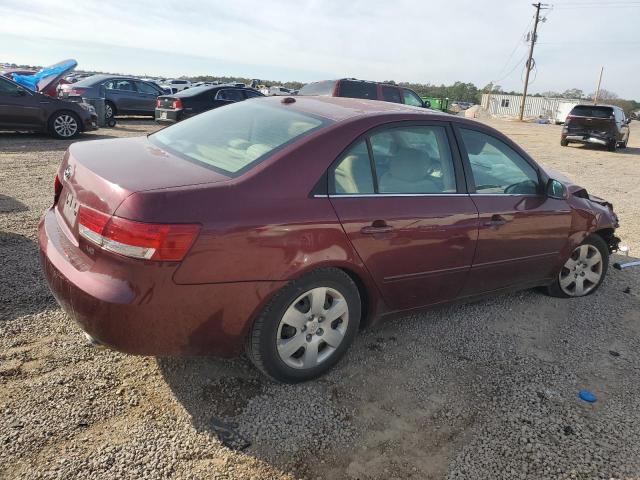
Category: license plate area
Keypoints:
(70, 209)
(163, 115)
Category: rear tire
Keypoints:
(583, 272)
(64, 125)
(109, 110)
(613, 146)
(319, 313)
(564, 142)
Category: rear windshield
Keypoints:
(591, 111)
(234, 138)
(358, 90)
(318, 88)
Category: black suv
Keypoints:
(354, 88)
(604, 125)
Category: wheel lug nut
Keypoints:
(304, 328)
(309, 337)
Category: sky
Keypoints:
(306, 40)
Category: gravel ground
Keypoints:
(480, 391)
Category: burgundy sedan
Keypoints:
(280, 226)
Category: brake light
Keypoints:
(77, 91)
(146, 241)
(57, 189)
(177, 103)
(158, 103)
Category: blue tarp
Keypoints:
(39, 80)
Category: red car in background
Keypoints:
(279, 226)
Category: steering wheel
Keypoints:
(521, 187)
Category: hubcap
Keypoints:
(582, 272)
(65, 125)
(108, 111)
(312, 328)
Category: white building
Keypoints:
(555, 109)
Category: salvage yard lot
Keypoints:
(484, 390)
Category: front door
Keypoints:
(398, 194)
(123, 94)
(522, 231)
(19, 107)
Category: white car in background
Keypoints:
(176, 86)
(279, 91)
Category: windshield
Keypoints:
(234, 138)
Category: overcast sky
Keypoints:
(404, 40)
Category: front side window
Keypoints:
(391, 94)
(353, 89)
(410, 98)
(497, 168)
(324, 87)
(146, 88)
(413, 159)
(229, 95)
(352, 173)
(235, 138)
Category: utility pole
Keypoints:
(595, 97)
(529, 63)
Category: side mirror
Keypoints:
(427, 104)
(627, 121)
(555, 189)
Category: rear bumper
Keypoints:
(136, 307)
(588, 139)
(168, 117)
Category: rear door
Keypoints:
(228, 95)
(399, 194)
(123, 93)
(521, 230)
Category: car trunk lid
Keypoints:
(587, 119)
(166, 102)
(101, 174)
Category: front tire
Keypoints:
(613, 145)
(109, 110)
(64, 125)
(307, 327)
(583, 272)
(564, 142)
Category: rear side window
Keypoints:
(591, 111)
(353, 174)
(237, 137)
(352, 89)
(324, 87)
(391, 94)
(121, 85)
(252, 94)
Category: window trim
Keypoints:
(466, 164)
(456, 159)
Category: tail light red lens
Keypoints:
(77, 91)
(177, 104)
(158, 102)
(147, 241)
(57, 189)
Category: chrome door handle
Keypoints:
(378, 226)
(496, 221)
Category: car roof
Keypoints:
(342, 108)
(100, 77)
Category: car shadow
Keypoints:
(23, 289)
(11, 205)
(630, 151)
(17, 142)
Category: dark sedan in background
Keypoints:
(124, 95)
(23, 109)
(187, 103)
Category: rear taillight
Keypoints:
(57, 189)
(147, 241)
(77, 91)
(158, 103)
(177, 103)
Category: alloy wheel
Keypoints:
(108, 111)
(582, 272)
(65, 125)
(312, 328)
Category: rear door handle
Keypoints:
(496, 221)
(378, 226)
